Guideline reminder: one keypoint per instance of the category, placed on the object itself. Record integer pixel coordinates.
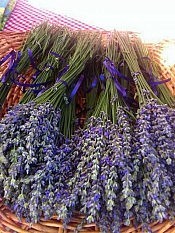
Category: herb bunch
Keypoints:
(117, 167)
(39, 41)
(55, 63)
(153, 149)
(35, 163)
(101, 186)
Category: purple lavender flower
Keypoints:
(35, 163)
(102, 184)
(154, 184)
(84, 187)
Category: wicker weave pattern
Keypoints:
(16, 93)
(10, 223)
(10, 41)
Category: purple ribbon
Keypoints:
(74, 91)
(66, 66)
(113, 70)
(63, 82)
(12, 64)
(102, 78)
(93, 85)
(31, 85)
(14, 61)
(39, 92)
(118, 86)
(12, 70)
(5, 58)
(27, 85)
(61, 73)
(153, 82)
(95, 81)
(32, 62)
(38, 71)
(57, 55)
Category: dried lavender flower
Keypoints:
(33, 160)
(153, 187)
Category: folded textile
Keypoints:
(25, 16)
(6, 7)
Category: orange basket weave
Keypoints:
(9, 223)
(8, 42)
(12, 41)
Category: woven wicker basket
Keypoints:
(12, 41)
(9, 223)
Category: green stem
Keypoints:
(143, 89)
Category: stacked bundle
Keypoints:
(120, 165)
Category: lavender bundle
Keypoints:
(101, 187)
(154, 181)
(151, 73)
(61, 94)
(54, 64)
(153, 150)
(35, 161)
(30, 137)
(116, 170)
(39, 41)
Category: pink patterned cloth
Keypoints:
(25, 16)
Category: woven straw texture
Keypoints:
(10, 41)
(9, 223)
